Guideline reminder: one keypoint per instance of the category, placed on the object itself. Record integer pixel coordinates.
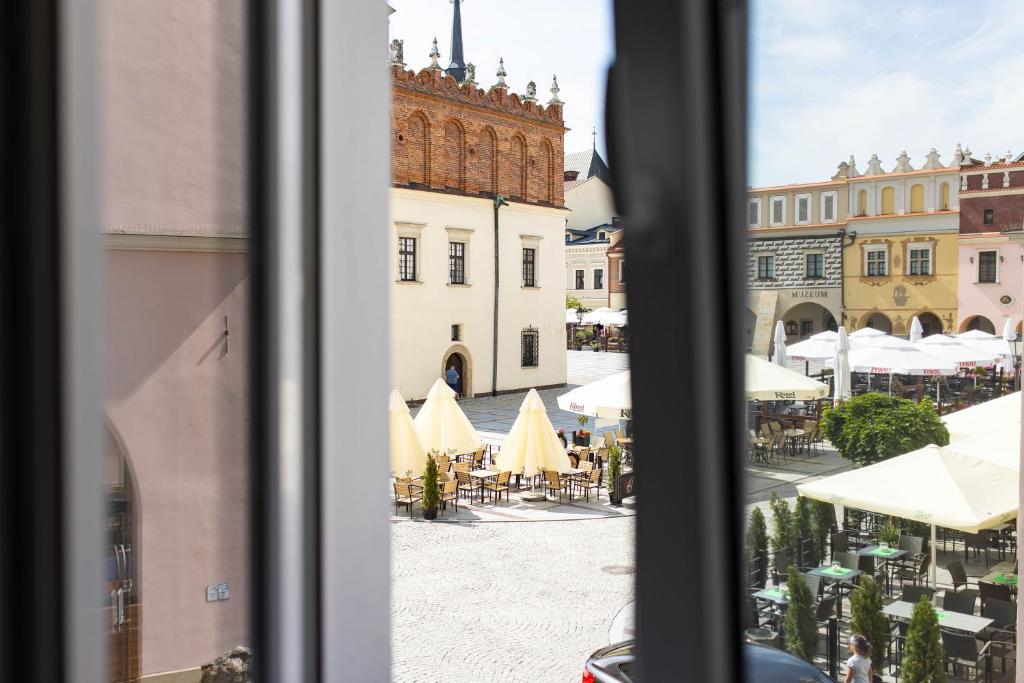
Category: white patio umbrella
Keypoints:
(937, 486)
(571, 317)
(983, 341)
(898, 357)
(821, 346)
(442, 424)
(842, 388)
(1010, 335)
(952, 350)
(1000, 417)
(598, 316)
(532, 445)
(408, 454)
(867, 333)
(780, 344)
(607, 398)
(916, 331)
(770, 382)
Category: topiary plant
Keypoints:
(799, 625)
(866, 618)
(823, 520)
(782, 525)
(802, 531)
(923, 659)
(757, 543)
(874, 427)
(431, 495)
(889, 533)
(613, 470)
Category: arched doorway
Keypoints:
(877, 321)
(930, 324)
(458, 357)
(121, 563)
(806, 319)
(978, 322)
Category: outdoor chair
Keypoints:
(592, 480)
(496, 486)
(913, 570)
(493, 467)
(912, 593)
(466, 484)
(962, 653)
(1003, 615)
(848, 560)
(758, 447)
(958, 573)
(442, 462)
(406, 494)
(840, 543)
(962, 602)
(609, 439)
(620, 433)
(780, 566)
(810, 432)
(553, 482)
(586, 465)
(994, 591)
(825, 609)
(813, 584)
(442, 477)
(914, 545)
(980, 542)
(478, 459)
(450, 493)
(461, 467)
(583, 456)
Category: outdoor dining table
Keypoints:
(886, 555)
(483, 476)
(839, 574)
(791, 437)
(951, 620)
(1003, 576)
(777, 597)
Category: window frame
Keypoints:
(770, 260)
(884, 261)
(834, 196)
(988, 216)
(598, 278)
(580, 278)
(805, 199)
(406, 257)
(529, 267)
(995, 267)
(756, 203)
(533, 334)
(807, 269)
(772, 202)
(925, 247)
(622, 271)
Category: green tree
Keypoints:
(431, 495)
(802, 530)
(572, 302)
(923, 659)
(866, 618)
(873, 427)
(822, 522)
(799, 625)
(782, 525)
(757, 542)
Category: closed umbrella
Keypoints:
(1010, 336)
(532, 445)
(780, 344)
(842, 388)
(608, 397)
(408, 453)
(766, 381)
(442, 425)
(916, 331)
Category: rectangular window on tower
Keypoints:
(407, 259)
(580, 274)
(457, 263)
(529, 267)
(530, 347)
(598, 278)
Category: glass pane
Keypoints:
(176, 406)
(555, 322)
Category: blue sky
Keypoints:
(831, 79)
(537, 38)
(828, 78)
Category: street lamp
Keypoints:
(1016, 363)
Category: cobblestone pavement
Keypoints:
(506, 602)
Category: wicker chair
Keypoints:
(496, 486)
(407, 494)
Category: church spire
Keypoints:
(457, 69)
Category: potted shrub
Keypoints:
(924, 660)
(595, 346)
(867, 619)
(888, 533)
(757, 545)
(582, 435)
(803, 538)
(799, 625)
(614, 470)
(874, 427)
(431, 494)
(823, 523)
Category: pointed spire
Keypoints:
(435, 55)
(854, 173)
(501, 84)
(457, 68)
(593, 134)
(554, 92)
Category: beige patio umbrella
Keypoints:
(408, 454)
(770, 382)
(442, 425)
(532, 445)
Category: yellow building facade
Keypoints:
(900, 257)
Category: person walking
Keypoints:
(858, 666)
(451, 377)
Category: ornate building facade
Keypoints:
(477, 180)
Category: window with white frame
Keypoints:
(876, 261)
(598, 278)
(803, 209)
(580, 275)
(919, 260)
(988, 266)
(828, 206)
(753, 212)
(778, 216)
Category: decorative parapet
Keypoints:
(436, 82)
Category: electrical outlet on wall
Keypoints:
(212, 594)
(223, 591)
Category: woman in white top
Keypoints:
(858, 666)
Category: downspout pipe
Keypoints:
(843, 234)
(499, 201)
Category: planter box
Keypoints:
(580, 440)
